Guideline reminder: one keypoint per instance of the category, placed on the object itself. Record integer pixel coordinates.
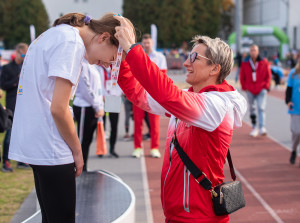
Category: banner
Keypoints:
(32, 33)
(154, 36)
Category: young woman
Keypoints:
(292, 99)
(88, 106)
(43, 133)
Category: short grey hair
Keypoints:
(22, 46)
(218, 52)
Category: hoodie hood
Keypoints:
(237, 100)
(239, 107)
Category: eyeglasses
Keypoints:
(193, 57)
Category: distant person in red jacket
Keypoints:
(255, 77)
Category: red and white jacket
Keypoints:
(207, 120)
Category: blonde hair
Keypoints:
(218, 52)
(107, 23)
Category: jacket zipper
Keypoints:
(186, 190)
(171, 147)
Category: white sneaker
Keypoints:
(137, 153)
(155, 153)
(254, 132)
(107, 134)
(263, 131)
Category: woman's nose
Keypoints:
(187, 62)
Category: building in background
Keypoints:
(281, 13)
(94, 8)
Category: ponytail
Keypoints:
(72, 19)
(107, 23)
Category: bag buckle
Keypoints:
(173, 139)
(213, 193)
(205, 182)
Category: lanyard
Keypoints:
(115, 72)
(254, 68)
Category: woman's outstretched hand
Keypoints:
(124, 33)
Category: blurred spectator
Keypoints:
(255, 78)
(128, 114)
(165, 52)
(139, 114)
(9, 82)
(88, 106)
(174, 53)
(292, 99)
(238, 59)
(277, 73)
(291, 62)
(113, 117)
(12, 57)
(183, 51)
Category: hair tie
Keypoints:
(87, 19)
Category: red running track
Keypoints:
(263, 163)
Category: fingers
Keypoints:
(78, 170)
(121, 19)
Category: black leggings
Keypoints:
(56, 191)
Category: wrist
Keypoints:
(133, 45)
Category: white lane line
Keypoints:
(149, 213)
(255, 193)
(258, 197)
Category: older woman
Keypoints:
(205, 117)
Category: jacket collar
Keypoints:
(224, 87)
(259, 58)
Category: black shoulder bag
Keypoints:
(227, 197)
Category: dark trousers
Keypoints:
(276, 78)
(114, 119)
(86, 125)
(6, 145)
(128, 113)
(56, 191)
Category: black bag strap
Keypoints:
(204, 182)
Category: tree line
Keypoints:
(177, 20)
(180, 20)
(15, 18)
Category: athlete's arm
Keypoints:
(64, 121)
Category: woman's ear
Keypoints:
(216, 70)
(104, 36)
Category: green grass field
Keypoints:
(14, 187)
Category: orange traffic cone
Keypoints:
(101, 142)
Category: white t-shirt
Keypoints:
(159, 59)
(35, 139)
(89, 91)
